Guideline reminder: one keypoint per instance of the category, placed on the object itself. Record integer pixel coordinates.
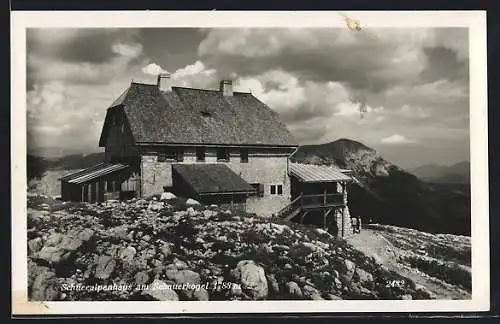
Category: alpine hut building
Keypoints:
(216, 146)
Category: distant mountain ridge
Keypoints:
(459, 172)
(387, 194)
(37, 166)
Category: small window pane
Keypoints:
(280, 189)
(273, 189)
(200, 154)
(244, 156)
(222, 154)
(180, 155)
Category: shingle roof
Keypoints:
(195, 116)
(212, 178)
(93, 172)
(317, 173)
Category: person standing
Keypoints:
(354, 224)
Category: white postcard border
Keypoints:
(474, 20)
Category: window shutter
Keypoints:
(261, 189)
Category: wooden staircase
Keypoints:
(292, 209)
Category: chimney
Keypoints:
(226, 88)
(163, 82)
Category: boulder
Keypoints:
(69, 243)
(273, 284)
(54, 239)
(252, 279)
(406, 297)
(191, 278)
(43, 287)
(127, 254)
(155, 205)
(363, 276)
(293, 289)
(141, 278)
(183, 276)
(334, 297)
(51, 254)
(105, 267)
(191, 212)
(200, 294)
(191, 202)
(86, 234)
(160, 290)
(350, 268)
(35, 245)
(167, 196)
(165, 250)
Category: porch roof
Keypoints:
(317, 173)
(207, 179)
(93, 172)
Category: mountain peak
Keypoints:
(345, 153)
(350, 145)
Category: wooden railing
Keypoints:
(293, 205)
(319, 200)
(312, 201)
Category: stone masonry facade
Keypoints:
(264, 166)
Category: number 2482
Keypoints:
(394, 283)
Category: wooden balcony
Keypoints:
(320, 201)
(306, 203)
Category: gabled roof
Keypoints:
(212, 178)
(317, 173)
(196, 116)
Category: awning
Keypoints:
(93, 172)
(207, 179)
(317, 173)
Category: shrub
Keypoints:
(186, 229)
(253, 237)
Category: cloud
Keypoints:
(66, 116)
(191, 69)
(326, 83)
(128, 50)
(396, 139)
(364, 62)
(153, 69)
(80, 56)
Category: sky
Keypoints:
(403, 92)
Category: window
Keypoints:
(180, 155)
(222, 154)
(244, 155)
(200, 154)
(259, 189)
(276, 189)
(171, 155)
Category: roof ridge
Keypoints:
(211, 90)
(146, 84)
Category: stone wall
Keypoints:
(264, 166)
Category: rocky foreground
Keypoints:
(174, 249)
